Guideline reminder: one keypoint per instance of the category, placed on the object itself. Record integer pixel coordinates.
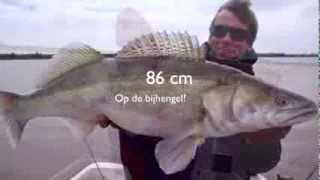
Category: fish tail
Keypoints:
(8, 103)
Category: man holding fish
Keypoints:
(232, 34)
(160, 141)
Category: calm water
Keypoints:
(299, 60)
(21, 76)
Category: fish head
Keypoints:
(261, 105)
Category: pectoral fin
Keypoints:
(174, 154)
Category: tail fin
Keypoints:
(8, 103)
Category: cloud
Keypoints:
(101, 9)
(274, 5)
(284, 26)
(291, 29)
(18, 4)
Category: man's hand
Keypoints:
(102, 120)
(266, 136)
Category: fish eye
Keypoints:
(281, 100)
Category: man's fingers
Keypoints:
(102, 120)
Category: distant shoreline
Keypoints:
(286, 55)
(39, 56)
(35, 56)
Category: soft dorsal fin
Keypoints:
(180, 45)
(130, 24)
(72, 56)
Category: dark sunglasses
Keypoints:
(236, 34)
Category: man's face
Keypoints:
(230, 38)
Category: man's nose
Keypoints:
(227, 37)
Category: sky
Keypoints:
(289, 26)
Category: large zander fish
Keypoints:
(221, 101)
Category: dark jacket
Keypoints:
(137, 156)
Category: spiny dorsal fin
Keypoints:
(72, 56)
(180, 45)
